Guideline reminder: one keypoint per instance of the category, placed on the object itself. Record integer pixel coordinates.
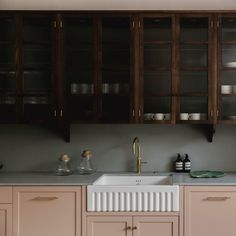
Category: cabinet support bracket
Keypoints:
(209, 131)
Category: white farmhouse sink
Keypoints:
(133, 193)
(131, 180)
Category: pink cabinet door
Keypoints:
(156, 225)
(109, 226)
(47, 211)
(209, 211)
(5, 220)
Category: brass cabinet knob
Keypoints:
(135, 227)
(128, 228)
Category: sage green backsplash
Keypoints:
(33, 148)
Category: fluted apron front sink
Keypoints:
(146, 193)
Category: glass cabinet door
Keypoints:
(157, 66)
(8, 85)
(227, 70)
(79, 67)
(37, 66)
(115, 62)
(194, 70)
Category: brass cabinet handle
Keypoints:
(44, 198)
(217, 198)
(128, 228)
(133, 112)
(134, 228)
(61, 113)
(55, 113)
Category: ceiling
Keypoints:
(118, 4)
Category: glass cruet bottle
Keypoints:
(85, 167)
(63, 167)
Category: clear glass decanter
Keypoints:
(85, 167)
(63, 167)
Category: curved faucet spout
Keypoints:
(137, 151)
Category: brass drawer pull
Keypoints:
(44, 198)
(217, 198)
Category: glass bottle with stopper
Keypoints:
(85, 167)
(63, 167)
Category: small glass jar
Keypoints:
(85, 167)
(63, 167)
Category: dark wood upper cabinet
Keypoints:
(194, 59)
(176, 68)
(79, 67)
(123, 67)
(157, 69)
(227, 68)
(8, 70)
(37, 75)
(97, 68)
(115, 67)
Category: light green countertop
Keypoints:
(47, 178)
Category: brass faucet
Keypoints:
(136, 151)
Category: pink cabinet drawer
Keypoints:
(5, 194)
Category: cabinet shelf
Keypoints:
(36, 43)
(115, 68)
(228, 95)
(157, 95)
(229, 42)
(157, 42)
(194, 68)
(194, 43)
(193, 94)
(156, 68)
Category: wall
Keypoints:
(28, 147)
(117, 5)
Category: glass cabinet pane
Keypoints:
(194, 82)
(7, 80)
(79, 51)
(157, 69)
(8, 109)
(229, 56)
(193, 29)
(37, 108)
(227, 86)
(157, 29)
(228, 108)
(157, 56)
(81, 108)
(193, 108)
(194, 55)
(37, 68)
(229, 29)
(157, 109)
(157, 82)
(7, 69)
(116, 69)
(37, 54)
(193, 66)
(7, 29)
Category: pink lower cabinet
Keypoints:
(109, 226)
(5, 219)
(132, 226)
(209, 211)
(47, 211)
(153, 226)
(5, 211)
